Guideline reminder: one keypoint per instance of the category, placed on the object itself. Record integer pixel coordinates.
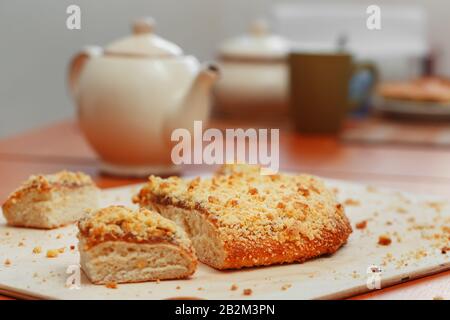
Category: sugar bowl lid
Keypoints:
(144, 43)
(258, 43)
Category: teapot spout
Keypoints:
(196, 102)
(195, 105)
(207, 76)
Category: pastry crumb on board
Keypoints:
(111, 285)
(285, 287)
(361, 225)
(384, 240)
(37, 250)
(52, 253)
(351, 202)
(247, 292)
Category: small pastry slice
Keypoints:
(120, 245)
(51, 201)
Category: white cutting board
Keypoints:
(414, 252)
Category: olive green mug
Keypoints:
(319, 89)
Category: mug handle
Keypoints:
(372, 69)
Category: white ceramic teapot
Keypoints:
(132, 94)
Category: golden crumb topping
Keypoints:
(62, 178)
(45, 183)
(121, 223)
(244, 204)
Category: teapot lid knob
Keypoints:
(143, 25)
(259, 27)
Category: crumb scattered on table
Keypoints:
(111, 285)
(7, 262)
(384, 240)
(285, 287)
(397, 236)
(388, 259)
(37, 250)
(437, 206)
(247, 292)
(401, 210)
(351, 202)
(52, 253)
(234, 287)
(361, 225)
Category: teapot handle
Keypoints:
(77, 64)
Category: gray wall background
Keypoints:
(35, 45)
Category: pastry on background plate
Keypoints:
(426, 89)
(51, 201)
(239, 218)
(120, 245)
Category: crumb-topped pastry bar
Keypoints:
(51, 201)
(425, 89)
(239, 218)
(120, 245)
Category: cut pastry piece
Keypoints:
(119, 245)
(239, 218)
(51, 201)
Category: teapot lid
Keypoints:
(258, 43)
(144, 43)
